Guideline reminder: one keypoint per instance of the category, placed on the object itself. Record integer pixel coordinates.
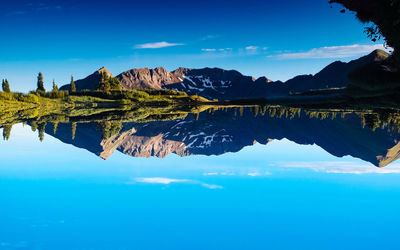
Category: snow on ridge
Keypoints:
(225, 84)
(189, 79)
(208, 83)
(208, 140)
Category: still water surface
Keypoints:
(301, 190)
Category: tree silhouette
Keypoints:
(385, 16)
(41, 129)
(40, 83)
(72, 85)
(109, 128)
(7, 132)
(55, 126)
(73, 130)
(34, 126)
(6, 86)
(55, 88)
(241, 110)
(108, 83)
(255, 110)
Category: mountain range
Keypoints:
(222, 132)
(215, 83)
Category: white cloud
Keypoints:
(342, 167)
(256, 173)
(160, 180)
(208, 50)
(157, 45)
(211, 186)
(212, 173)
(214, 50)
(167, 181)
(252, 48)
(227, 173)
(332, 52)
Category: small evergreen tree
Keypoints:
(6, 132)
(6, 86)
(41, 129)
(40, 83)
(103, 84)
(55, 126)
(55, 88)
(72, 85)
(73, 130)
(108, 83)
(34, 126)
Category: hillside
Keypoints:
(90, 82)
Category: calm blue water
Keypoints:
(275, 196)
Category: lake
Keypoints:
(249, 178)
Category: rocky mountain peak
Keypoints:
(90, 82)
(104, 70)
(146, 78)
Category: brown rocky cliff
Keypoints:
(112, 143)
(140, 146)
(147, 78)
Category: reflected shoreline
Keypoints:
(371, 135)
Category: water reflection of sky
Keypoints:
(278, 196)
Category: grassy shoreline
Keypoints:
(159, 105)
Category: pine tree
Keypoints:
(108, 83)
(73, 130)
(6, 132)
(34, 126)
(103, 84)
(55, 126)
(72, 85)
(6, 86)
(41, 129)
(40, 83)
(55, 88)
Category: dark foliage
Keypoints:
(7, 132)
(385, 16)
(6, 86)
(55, 87)
(40, 83)
(108, 83)
(72, 85)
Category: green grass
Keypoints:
(114, 98)
(124, 105)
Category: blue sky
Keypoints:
(278, 39)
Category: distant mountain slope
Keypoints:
(90, 82)
(335, 75)
(213, 83)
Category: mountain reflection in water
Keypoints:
(368, 136)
